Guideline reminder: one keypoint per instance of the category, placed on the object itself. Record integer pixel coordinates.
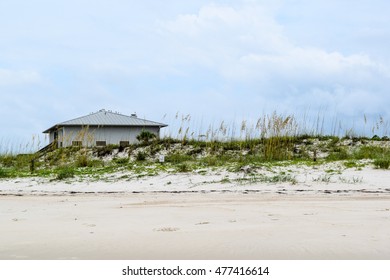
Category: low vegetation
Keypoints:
(382, 163)
(279, 141)
(234, 156)
(65, 173)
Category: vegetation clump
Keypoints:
(382, 163)
(146, 136)
(141, 156)
(121, 161)
(184, 167)
(177, 158)
(105, 150)
(3, 173)
(65, 173)
(82, 161)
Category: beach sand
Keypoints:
(148, 219)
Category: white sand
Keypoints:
(197, 217)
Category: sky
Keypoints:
(214, 60)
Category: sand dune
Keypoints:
(137, 220)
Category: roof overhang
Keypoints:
(58, 126)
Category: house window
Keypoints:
(100, 143)
(61, 145)
(124, 143)
(77, 143)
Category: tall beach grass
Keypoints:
(271, 137)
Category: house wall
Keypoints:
(89, 136)
(51, 136)
(59, 136)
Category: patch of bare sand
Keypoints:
(195, 226)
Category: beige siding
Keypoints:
(112, 135)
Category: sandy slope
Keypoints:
(183, 220)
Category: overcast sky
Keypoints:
(215, 60)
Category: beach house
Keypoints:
(100, 129)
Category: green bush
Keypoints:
(145, 136)
(65, 173)
(167, 142)
(121, 161)
(141, 156)
(383, 163)
(3, 173)
(95, 163)
(231, 146)
(177, 158)
(371, 152)
(82, 161)
(338, 153)
(105, 150)
(23, 161)
(154, 149)
(52, 158)
(350, 164)
(210, 161)
(333, 142)
(194, 151)
(183, 167)
(7, 160)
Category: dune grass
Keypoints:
(273, 139)
(382, 163)
(184, 157)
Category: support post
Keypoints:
(32, 166)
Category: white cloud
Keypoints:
(262, 67)
(222, 32)
(221, 60)
(308, 64)
(247, 43)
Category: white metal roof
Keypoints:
(106, 118)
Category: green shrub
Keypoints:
(195, 151)
(65, 173)
(141, 156)
(7, 160)
(23, 161)
(334, 141)
(53, 157)
(183, 167)
(350, 164)
(370, 152)
(231, 146)
(210, 161)
(338, 153)
(177, 158)
(197, 143)
(105, 150)
(95, 163)
(154, 149)
(145, 136)
(121, 161)
(383, 163)
(82, 161)
(3, 173)
(167, 142)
